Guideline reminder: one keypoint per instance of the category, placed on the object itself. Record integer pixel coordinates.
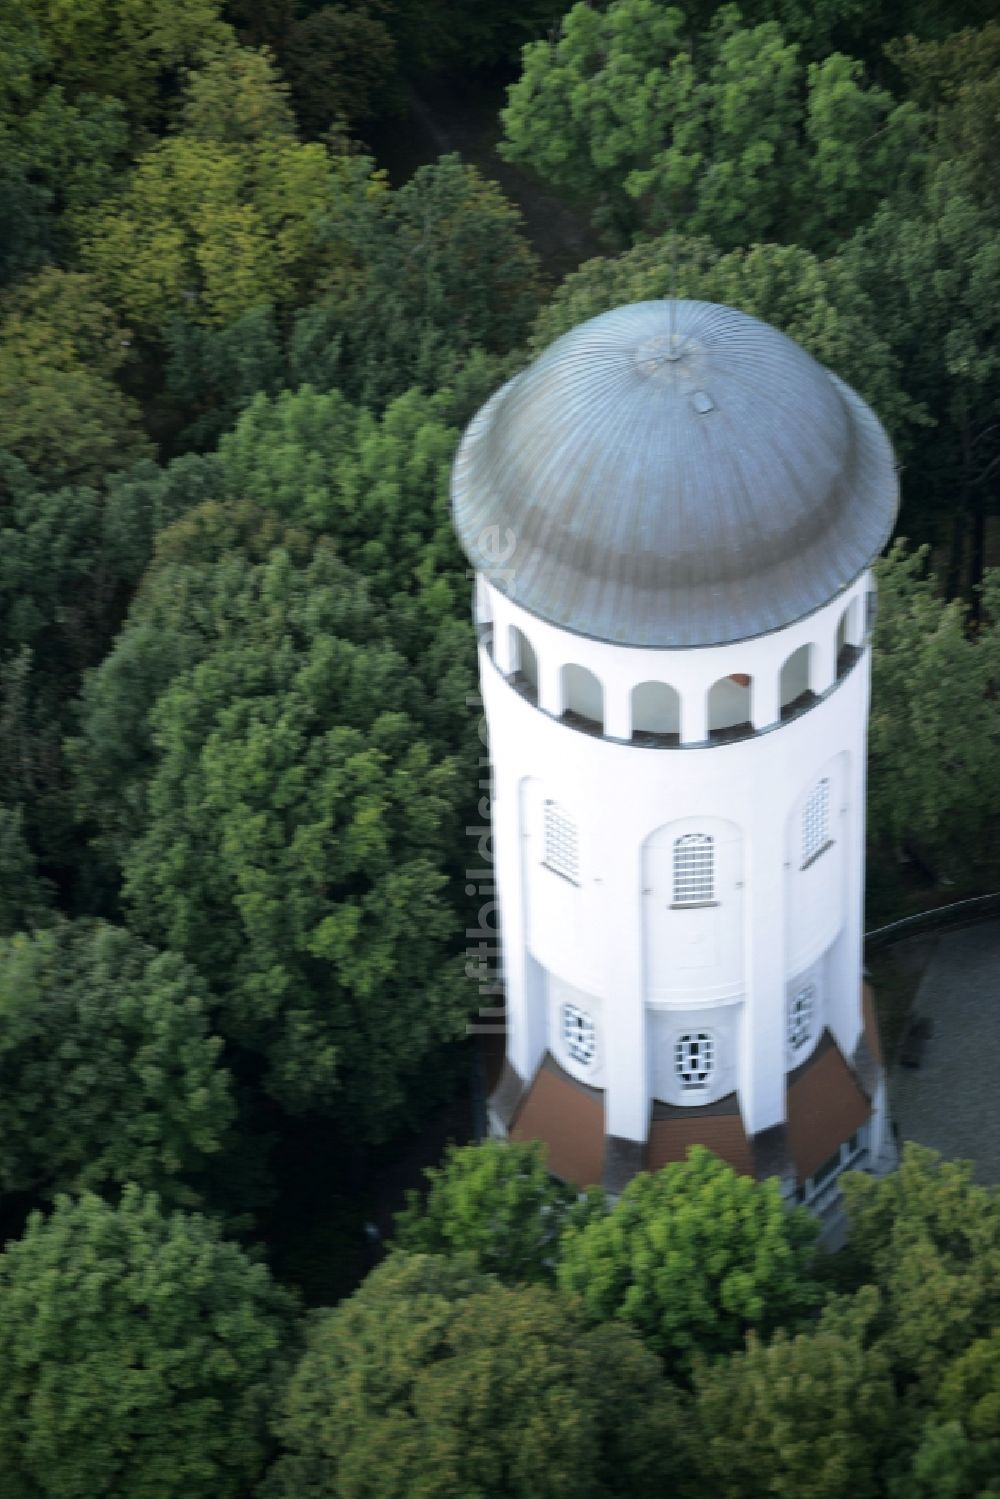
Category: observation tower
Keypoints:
(672, 515)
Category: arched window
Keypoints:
(656, 713)
(848, 637)
(562, 850)
(579, 1034)
(694, 869)
(525, 674)
(694, 1059)
(729, 711)
(801, 1016)
(816, 822)
(796, 695)
(583, 699)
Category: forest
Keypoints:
(244, 317)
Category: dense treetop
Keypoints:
(243, 319)
(435, 1379)
(139, 1355)
(108, 1072)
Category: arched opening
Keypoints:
(729, 709)
(848, 650)
(583, 699)
(656, 714)
(482, 613)
(796, 694)
(524, 663)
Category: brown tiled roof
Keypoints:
(826, 1105)
(718, 1126)
(569, 1120)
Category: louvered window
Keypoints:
(816, 822)
(694, 869)
(562, 850)
(801, 1016)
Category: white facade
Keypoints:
(681, 911)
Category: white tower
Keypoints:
(671, 515)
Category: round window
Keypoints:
(694, 1059)
(579, 1034)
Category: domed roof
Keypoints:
(674, 474)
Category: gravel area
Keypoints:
(951, 1101)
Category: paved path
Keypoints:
(952, 1100)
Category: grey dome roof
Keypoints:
(675, 474)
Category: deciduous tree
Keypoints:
(693, 1257)
(958, 1456)
(131, 50)
(725, 132)
(108, 1070)
(443, 268)
(223, 217)
(497, 1203)
(931, 788)
(433, 1379)
(61, 412)
(139, 1355)
(929, 1239)
(804, 1417)
(281, 817)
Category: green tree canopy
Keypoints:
(61, 412)
(930, 788)
(24, 896)
(58, 156)
(497, 1203)
(693, 1257)
(281, 817)
(443, 268)
(223, 216)
(931, 266)
(805, 1417)
(108, 1072)
(958, 1456)
(930, 1240)
(433, 1379)
(727, 133)
(134, 51)
(957, 79)
(139, 1355)
(342, 64)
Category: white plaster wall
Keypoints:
(693, 672)
(693, 952)
(593, 936)
(815, 893)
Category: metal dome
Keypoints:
(675, 474)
